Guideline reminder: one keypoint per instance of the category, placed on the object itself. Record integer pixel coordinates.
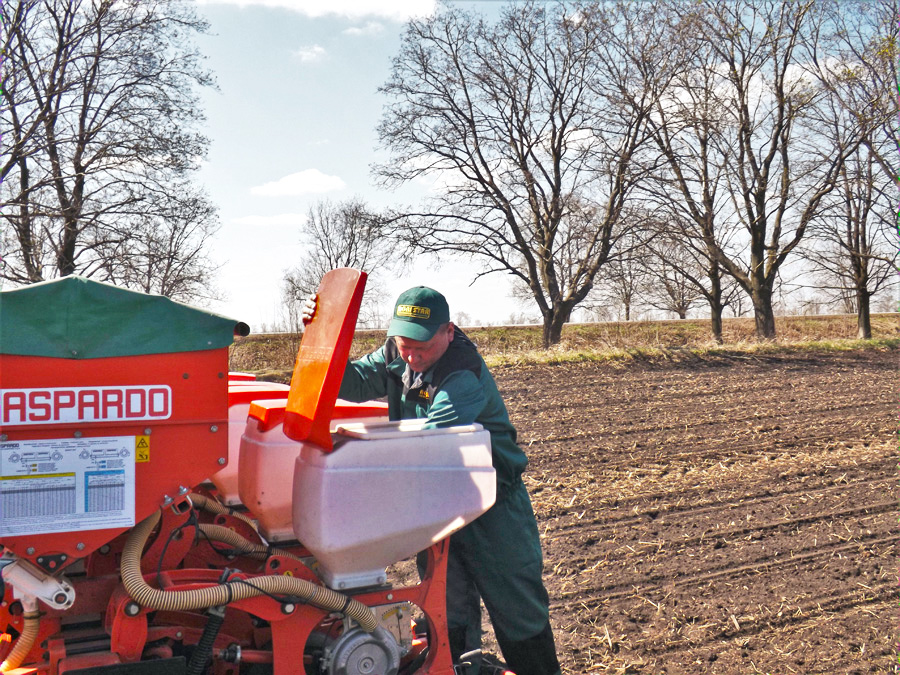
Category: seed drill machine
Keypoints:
(160, 515)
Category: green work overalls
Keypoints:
(497, 556)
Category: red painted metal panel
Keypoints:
(181, 446)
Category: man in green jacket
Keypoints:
(429, 369)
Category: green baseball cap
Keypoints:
(418, 313)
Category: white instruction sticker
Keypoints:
(66, 484)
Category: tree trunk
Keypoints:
(25, 226)
(65, 257)
(759, 287)
(553, 325)
(763, 314)
(715, 317)
(715, 302)
(715, 320)
(863, 319)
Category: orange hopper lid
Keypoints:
(322, 358)
(246, 392)
(270, 413)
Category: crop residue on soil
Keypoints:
(736, 517)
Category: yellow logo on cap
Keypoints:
(414, 311)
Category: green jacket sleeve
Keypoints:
(459, 401)
(365, 378)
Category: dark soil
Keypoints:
(736, 515)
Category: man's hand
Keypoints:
(308, 310)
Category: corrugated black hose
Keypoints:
(203, 651)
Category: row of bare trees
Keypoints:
(727, 148)
(733, 143)
(99, 132)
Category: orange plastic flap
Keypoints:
(267, 413)
(245, 392)
(270, 413)
(322, 358)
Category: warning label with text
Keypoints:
(67, 484)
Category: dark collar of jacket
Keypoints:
(461, 354)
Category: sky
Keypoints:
(294, 121)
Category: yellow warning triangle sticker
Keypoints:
(141, 448)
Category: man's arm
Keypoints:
(366, 378)
(460, 400)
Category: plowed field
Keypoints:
(732, 515)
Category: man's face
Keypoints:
(421, 355)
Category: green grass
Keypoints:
(686, 354)
(272, 357)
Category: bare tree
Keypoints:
(854, 246)
(853, 243)
(694, 136)
(160, 254)
(777, 164)
(342, 234)
(623, 283)
(674, 275)
(523, 123)
(98, 123)
(863, 71)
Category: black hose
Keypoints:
(203, 651)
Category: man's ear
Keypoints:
(452, 328)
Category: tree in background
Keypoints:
(778, 165)
(523, 124)
(853, 244)
(98, 124)
(675, 276)
(163, 254)
(754, 131)
(622, 286)
(342, 234)
(863, 73)
(693, 138)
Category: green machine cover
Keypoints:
(76, 318)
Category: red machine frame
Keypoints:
(186, 447)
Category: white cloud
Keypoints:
(289, 219)
(310, 53)
(304, 182)
(371, 28)
(395, 10)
